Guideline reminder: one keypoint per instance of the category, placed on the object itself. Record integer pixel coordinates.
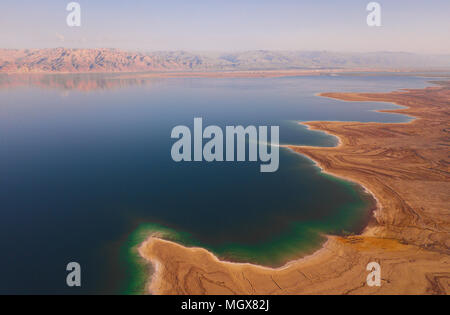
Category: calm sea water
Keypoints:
(86, 172)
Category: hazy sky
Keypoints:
(338, 25)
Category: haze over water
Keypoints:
(81, 171)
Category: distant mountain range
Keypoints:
(59, 60)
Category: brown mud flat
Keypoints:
(406, 166)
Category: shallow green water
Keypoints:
(87, 174)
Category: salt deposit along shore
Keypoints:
(405, 166)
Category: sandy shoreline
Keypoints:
(348, 179)
(404, 166)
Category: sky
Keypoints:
(228, 25)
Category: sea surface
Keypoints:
(86, 174)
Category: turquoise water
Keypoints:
(86, 174)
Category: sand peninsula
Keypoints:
(406, 166)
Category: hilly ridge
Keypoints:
(61, 60)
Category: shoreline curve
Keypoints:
(406, 232)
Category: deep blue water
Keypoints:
(80, 170)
